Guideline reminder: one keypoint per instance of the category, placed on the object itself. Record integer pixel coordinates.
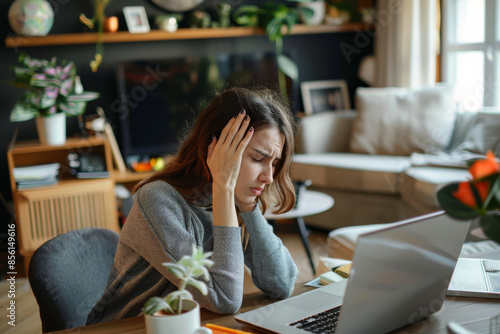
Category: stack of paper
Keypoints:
(36, 176)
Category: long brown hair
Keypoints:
(188, 171)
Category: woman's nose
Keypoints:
(266, 176)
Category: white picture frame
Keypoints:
(325, 95)
(136, 18)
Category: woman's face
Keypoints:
(258, 164)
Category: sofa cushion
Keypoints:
(400, 121)
(484, 133)
(349, 171)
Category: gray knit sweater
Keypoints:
(161, 227)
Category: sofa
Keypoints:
(385, 160)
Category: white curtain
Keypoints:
(405, 43)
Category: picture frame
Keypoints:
(326, 95)
(136, 18)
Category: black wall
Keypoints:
(319, 57)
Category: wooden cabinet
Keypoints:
(43, 213)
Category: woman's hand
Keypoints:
(224, 161)
(224, 155)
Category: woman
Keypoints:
(232, 166)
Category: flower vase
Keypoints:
(188, 322)
(52, 129)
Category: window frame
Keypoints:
(490, 47)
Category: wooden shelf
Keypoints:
(181, 34)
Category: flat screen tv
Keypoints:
(159, 98)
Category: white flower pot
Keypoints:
(52, 129)
(319, 9)
(184, 323)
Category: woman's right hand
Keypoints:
(225, 154)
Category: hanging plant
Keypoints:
(98, 19)
(277, 21)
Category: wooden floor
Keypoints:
(27, 316)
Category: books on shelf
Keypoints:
(36, 176)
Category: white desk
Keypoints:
(310, 203)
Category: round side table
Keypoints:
(310, 203)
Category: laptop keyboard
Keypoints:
(322, 323)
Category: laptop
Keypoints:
(476, 278)
(399, 275)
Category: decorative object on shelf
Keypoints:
(368, 14)
(319, 9)
(137, 20)
(224, 12)
(199, 19)
(52, 92)
(274, 19)
(340, 12)
(478, 198)
(178, 312)
(168, 22)
(111, 24)
(177, 5)
(99, 18)
(327, 95)
(31, 17)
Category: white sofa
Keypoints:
(349, 155)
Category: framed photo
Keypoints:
(136, 18)
(326, 95)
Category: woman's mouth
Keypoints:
(256, 191)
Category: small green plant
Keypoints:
(186, 269)
(50, 89)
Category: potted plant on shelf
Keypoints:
(52, 92)
(478, 198)
(178, 312)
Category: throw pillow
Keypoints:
(484, 134)
(401, 121)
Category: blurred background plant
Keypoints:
(96, 20)
(277, 20)
(50, 88)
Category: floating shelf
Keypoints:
(181, 34)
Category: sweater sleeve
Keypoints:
(273, 269)
(176, 227)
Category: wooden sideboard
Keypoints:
(45, 212)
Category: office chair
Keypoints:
(69, 273)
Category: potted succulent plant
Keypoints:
(52, 92)
(178, 312)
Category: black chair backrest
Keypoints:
(69, 273)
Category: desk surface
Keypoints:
(310, 203)
(472, 313)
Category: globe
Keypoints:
(31, 17)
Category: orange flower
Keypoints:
(485, 167)
(465, 194)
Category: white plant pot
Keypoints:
(52, 129)
(184, 323)
(319, 9)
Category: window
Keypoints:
(471, 51)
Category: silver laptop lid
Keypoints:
(401, 274)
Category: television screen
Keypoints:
(159, 98)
